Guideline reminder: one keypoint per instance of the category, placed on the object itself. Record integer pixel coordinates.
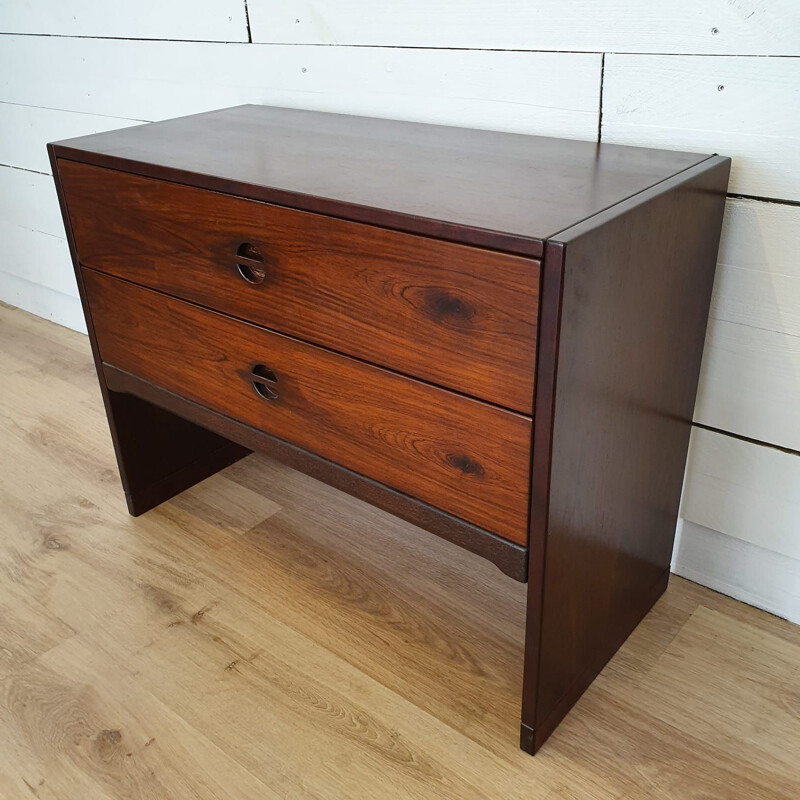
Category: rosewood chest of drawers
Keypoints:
(495, 336)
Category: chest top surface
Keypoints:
(503, 190)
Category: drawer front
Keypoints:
(454, 315)
(461, 455)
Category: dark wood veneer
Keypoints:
(175, 453)
(459, 316)
(505, 191)
(463, 456)
(584, 496)
(507, 556)
(622, 335)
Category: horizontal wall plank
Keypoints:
(34, 247)
(742, 570)
(744, 490)
(548, 93)
(29, 200)
(750, 384)
(758, 271)
(26, 130)
(676, 102)
(60, 308)
(37, 258)
(215, 20)
(761, 27)
(750, 378)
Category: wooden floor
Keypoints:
(264, 636)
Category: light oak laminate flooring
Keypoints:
(265, 636)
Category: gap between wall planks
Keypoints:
(682, 26)
(724, 492)
(551, 93)
(747, 108)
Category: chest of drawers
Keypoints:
(494, 336)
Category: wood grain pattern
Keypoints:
(496, 190)
(193, 639)
(507, 556)
(177, 454)
(457, 316)
(463, 456)
(123, 741)
(28, 629)
(626, 361)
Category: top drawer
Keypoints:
(454, 315)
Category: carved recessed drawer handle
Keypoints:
(264, 381)
(250, 263)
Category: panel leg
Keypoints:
(160, 454)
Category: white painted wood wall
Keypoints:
(704, 75)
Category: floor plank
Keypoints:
(73, 726)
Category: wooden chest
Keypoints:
(494, 336)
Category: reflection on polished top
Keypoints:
(510, 191)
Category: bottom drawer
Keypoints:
(455, 453)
